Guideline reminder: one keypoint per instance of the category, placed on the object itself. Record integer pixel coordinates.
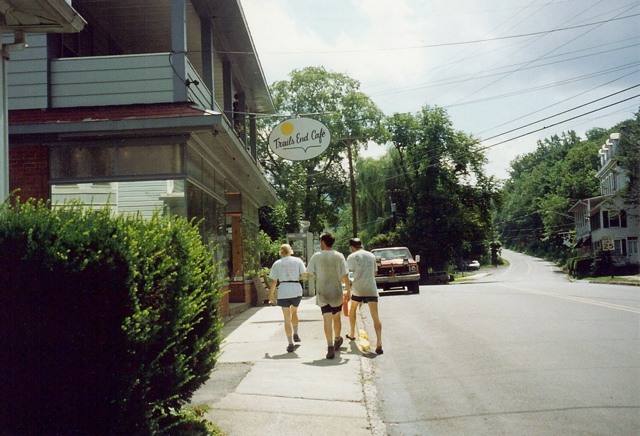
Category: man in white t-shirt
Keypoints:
(331, 269)
(364, 267)
(287, 273)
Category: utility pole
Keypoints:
(352, 181)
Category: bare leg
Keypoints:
(352, 317)
(287, 321)
(294, 316)
(337, 324)
(377, 324)
(328, 331)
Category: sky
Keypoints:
(501, 68)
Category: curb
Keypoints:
(604, 282)
(369, 389)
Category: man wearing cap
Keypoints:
(330, 267)
(364, 289)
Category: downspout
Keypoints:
(19, 43)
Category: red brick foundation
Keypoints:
(224, 303)
(240, 292)
(29, 171)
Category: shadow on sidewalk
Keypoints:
(283, 356)
(328, 362)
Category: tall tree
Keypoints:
(446, 199)
(544, 184)
(377, 184)
(317, 189)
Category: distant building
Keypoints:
(137, 111)
(609, 221)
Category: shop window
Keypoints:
(620, 247)
(82, 162)
(149, 159)
(68, 162)
(208, 212)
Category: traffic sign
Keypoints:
(607, 243)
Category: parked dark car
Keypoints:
(438, 278)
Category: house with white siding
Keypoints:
(151, 107)
(610, 221)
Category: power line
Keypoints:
(445, 44)
(559, 122)
(571, 80)
(418, 162)
(423, 72)
(564, 112)
(561, 101)
(530, 62)
(451, 65)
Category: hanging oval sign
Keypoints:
(299, 139)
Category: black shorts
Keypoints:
(364, 300)
(287, 302)
(329, 309)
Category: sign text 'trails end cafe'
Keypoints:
(299, 139)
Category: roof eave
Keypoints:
(238, 47)
(59, 15)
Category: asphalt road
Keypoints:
(522, 351)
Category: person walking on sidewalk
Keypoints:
(330, 267)
(288, 271)
(363, 265)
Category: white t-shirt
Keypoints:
(288, 270)
(363, 265)
(329, 266)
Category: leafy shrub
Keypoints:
(601, 264)
(579, 267)
(269, 251)
(107, 324)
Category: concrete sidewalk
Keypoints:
(259, 388)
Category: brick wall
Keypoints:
(224, 303)
(238, 293)
(29, 171)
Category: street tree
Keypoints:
(446, 200)
(318, 189)
(542, 187)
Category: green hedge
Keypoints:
(579, 267)
(107, 324)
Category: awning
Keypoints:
(172, 117)
(39, 16)
(584, 242)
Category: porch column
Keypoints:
(206, 33)
(253, 137)
(4, 131)
(234, 211)
(240, 118)
(236, 248)
(227, 89)
(179, 49)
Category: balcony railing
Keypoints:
(122, 80)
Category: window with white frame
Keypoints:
(620, 247)
(614, 218)
(632, 245)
